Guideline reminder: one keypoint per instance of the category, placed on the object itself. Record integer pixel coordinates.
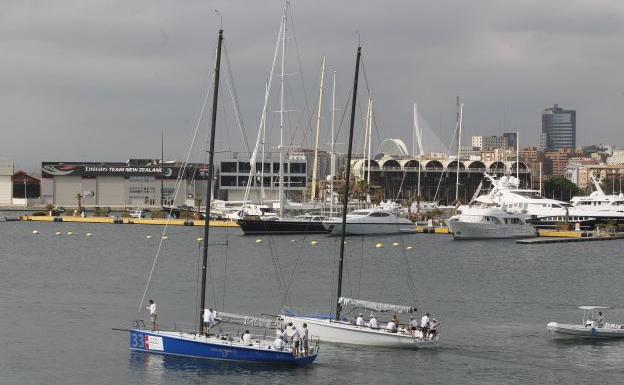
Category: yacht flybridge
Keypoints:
(593, 326)
(540, 211)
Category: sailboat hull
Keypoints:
(213, 348)
(281, 226)
(338, 332)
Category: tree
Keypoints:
(558, 187)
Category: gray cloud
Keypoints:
(100, 80)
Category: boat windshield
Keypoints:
(361, 212)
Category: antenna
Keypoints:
(218, 12)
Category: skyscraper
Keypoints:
(558, 128)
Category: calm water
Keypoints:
(61, 295)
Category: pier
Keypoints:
(130, 221)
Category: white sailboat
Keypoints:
(341, 330)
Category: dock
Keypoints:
(548, 236)
(432, 230)
(129, 221)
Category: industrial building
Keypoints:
(136, 183)
(6, 183)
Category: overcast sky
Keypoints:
(100, 80)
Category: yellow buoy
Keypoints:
(35, 232)
(200, 239)
(408, 248)
(314, 243)
(379, 245)
(395, 244)
(258, 240)
(89, 234)
(70, 233)
(58, 233)
(148, 237)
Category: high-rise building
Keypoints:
(558, 129)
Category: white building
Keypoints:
(6, 183)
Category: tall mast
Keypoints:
(345, 198)
(266, 91)
(318, 129)
(162, 170)
(333, 155)
(282, 200)
(460, 115)
(518, 155)
(213, 124)
(370, 125)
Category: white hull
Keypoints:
(558, 330)
(343, 333)
(367, 228)
(467, 230)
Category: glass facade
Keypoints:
(558, 128)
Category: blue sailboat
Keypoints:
(198, 344)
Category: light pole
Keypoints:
(25, 195)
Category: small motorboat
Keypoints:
(593, 326)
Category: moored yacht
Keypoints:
(369, 222)
(540, 211)
(487, 221)
(598, 200)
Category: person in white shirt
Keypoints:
(153, 315)
(283, 335)
(278, 344)
(305, 336)
(209, 318)
(372, 323)
(424, 325)
(246, 338)
(391, 326)
(600, 320)
(296, 339)
(359, 320)
(413, 325)
(435, 328)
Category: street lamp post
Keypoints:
(25, 195)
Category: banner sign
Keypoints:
(52, 169)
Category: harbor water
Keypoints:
(61, 295)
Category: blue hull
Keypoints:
(144, 341)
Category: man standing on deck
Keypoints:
(424, 325)
(153, 315)
(296, 340)
(305, 336)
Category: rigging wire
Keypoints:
(179, 179)
(229, 81)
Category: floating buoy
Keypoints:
(408, 248)
(89, 234)
(35, 231)
(292, 240)
(70, 233)
(379, 245)
(258, 240)
(148, 237)
(58, 233)
(395, 244)
(200, 239)
(314, 243)
(165, 237)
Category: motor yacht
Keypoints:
(593, 326)
(488, 222)
(369, 222)
(539, 211)
(599, 200)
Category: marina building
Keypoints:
(135, 183)
(6, 183)
(558, 129)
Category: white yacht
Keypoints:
(540, 211)
(598, 200)
(593, 326)
(369, 222)
(488, 222)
